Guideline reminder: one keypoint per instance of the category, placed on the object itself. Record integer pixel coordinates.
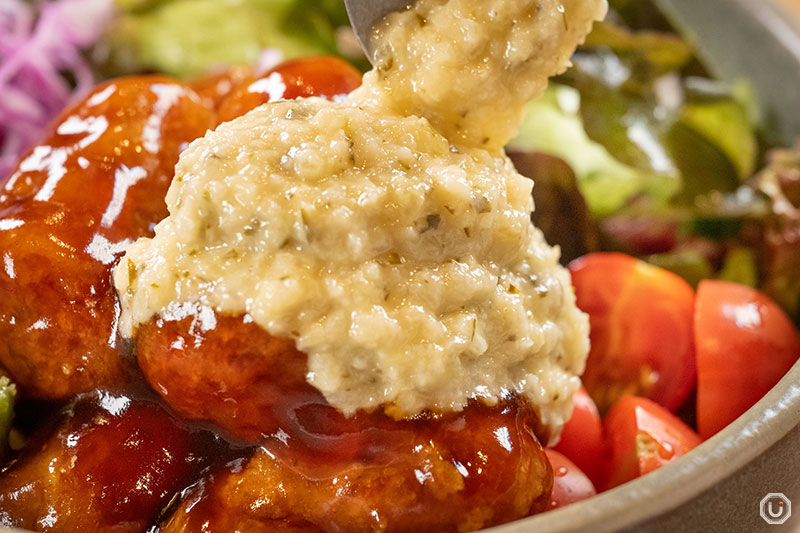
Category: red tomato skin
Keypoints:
(582, 438)
(745, 345)
(641, 330)
(570, 484)
(642, 437)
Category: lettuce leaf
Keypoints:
(691, 265)
(189, 38)
(555, 193)
(8, 394)
(636, 128)
(553, 125)
(740, 266)
(663, 52)
(726, 122)
(780, 183)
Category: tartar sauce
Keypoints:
(388, 235)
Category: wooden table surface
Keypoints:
(792, 5)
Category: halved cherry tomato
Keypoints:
(642, 436)
(745, 345)
(323, 76)
(582, 437)
(641, 319)
(570, 484)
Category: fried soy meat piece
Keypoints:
(215, 88)
(458, 472)
(322, 76)
(321, 470)
(233, 374)
(66, 215)
(238, 90)
(111, 464)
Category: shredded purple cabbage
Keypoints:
(40, 43)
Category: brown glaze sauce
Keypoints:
(484, 465)
(66, 215)
(324, 76)
(124, 461)
(462, 472)
(111, 462)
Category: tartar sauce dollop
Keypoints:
(388, 234)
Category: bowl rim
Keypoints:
(716, 459)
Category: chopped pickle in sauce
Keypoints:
(388, 234)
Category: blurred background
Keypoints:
(792, 5)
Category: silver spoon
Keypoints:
(365, 14)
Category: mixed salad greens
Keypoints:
(664, 157)
(189, 38)
(666, 160)
(646, 153)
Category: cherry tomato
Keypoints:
(582, 437)
(641, 319)
(745, 345)
(570, 484)
(324, 76)
(642, 436)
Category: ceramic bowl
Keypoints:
(719, 486)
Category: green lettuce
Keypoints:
(189, 38)
(553, 125)
(638, 126)
(691, 265)
(726, 122)
(8, 394)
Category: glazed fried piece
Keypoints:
(459, 472)
(215, 88)
(323, 470)
(66, 215)
(323, 76)
(220, 375)
(232, 374)
(111, 464)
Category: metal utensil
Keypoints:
(364, 14)
(748, 40)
